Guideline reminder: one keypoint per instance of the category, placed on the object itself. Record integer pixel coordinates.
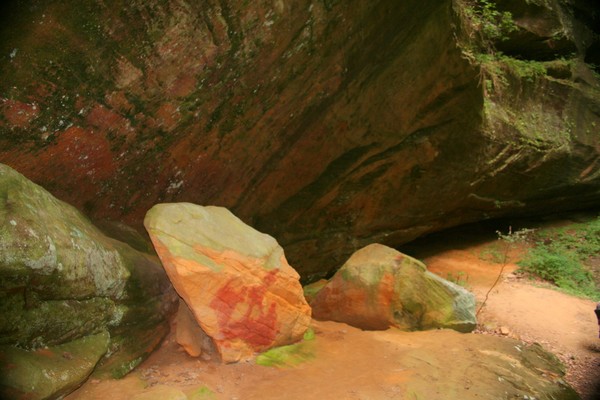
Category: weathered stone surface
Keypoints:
(61, 280)
(49, 373)
(235, 280)
(379, 287)
(189, 335)
(329, 125)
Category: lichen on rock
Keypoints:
(50, 372)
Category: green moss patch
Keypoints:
(202, 393)
(290, 355)
(311, 290)
(49, 372)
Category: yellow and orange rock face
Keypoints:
(235, 280)
(379, 287)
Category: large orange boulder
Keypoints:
(236, 281)
(379, 287)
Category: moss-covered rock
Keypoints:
(62, 280)
(379, 287)
(49, 372)
(311, 290)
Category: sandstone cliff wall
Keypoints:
(328, 124)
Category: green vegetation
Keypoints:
(488, 21)
(460, 278)
(311, 290)
(309, 334)
(484, 26)
(564, 257)
(493, 253)
(536, 126)
(290, 355)
(202, 393)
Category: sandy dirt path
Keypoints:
(524, 309)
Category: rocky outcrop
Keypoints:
(379, 287)
(50, 372)
(235, 280)
(62, 280)
(329, 125)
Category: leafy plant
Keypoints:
(485, 19)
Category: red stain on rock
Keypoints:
(45, 353)
(17, 113)
(107, 120)
(182, 86)
(80, 157)
(385, 293)
(271, 276)
(118, 101)
(83, 153)
(256, 325)
(167, 116)
(353, 303)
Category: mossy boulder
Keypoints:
(379, 287)
(49, 372)
(62, 280)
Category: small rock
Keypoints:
(504, 331)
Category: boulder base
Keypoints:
(189, 335)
